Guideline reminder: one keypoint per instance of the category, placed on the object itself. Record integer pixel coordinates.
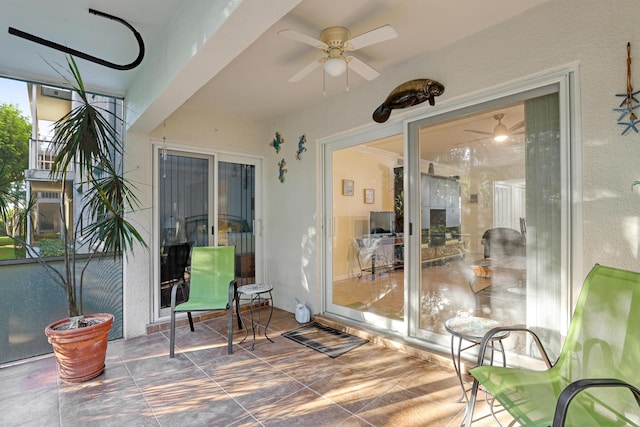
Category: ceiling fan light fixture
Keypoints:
(500, 133)
(335, 66)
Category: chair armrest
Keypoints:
(576, 387)
(174, 291)
(489, 335)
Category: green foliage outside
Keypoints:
(10, 249)
(15, 131)
(51, 247)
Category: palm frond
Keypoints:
(85, 134)
(88, 139)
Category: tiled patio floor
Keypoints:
(278, 384)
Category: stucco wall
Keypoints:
(187, 129)
(592, 33)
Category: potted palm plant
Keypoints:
(86, 139)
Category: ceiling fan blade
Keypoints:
(304, 72)
(380, 34)
(362, 68)
(517, 126)
(481, 132)
(472, 141)
(303, 38)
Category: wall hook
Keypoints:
(86, 56)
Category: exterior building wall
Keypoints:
(589, 34)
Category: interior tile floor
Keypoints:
(278, 384)
(445, 293)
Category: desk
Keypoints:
(378, 254)
(471, 329)
(256, 294)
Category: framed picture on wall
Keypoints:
(369, 195)
(347, 187)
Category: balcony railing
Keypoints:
(41, 154)
(30, 301)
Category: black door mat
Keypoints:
(324, 339)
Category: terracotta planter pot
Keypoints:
(80, 353)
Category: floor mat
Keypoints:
(324, 339)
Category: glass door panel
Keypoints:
(237, 215)
(184, 198)
(367, 245)
(489, 215)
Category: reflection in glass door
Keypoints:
(184, 206)
(490, 212)
(457, 220)
(237, 215)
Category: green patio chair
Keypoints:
(595, 380)
(212, 287)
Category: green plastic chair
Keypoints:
(212, 287)
(596, 378)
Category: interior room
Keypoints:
(472, 221)
(389, 164)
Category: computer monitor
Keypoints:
(382, 222)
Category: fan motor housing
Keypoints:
(335, 36)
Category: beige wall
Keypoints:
(351, 215)
(187, 129)
(557, 34)
(588, 34)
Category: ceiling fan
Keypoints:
(334, 42)
(500, 132)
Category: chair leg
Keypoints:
(230, 330)
(190, 321)
(237, 298)
(233, 296)
(172, 333)
(468, 414)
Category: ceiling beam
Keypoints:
(198, 44)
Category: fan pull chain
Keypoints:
(347, 73)
(324, 82)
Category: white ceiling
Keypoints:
(68, 22)
(254, 84)
(422, 26)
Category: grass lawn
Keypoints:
(8, 251)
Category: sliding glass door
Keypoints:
(237, 223)
(489, 207)
(366, 241)
(205, 200)
(468, 215)
(185, 205)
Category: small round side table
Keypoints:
(472, 329)
(256, 294)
